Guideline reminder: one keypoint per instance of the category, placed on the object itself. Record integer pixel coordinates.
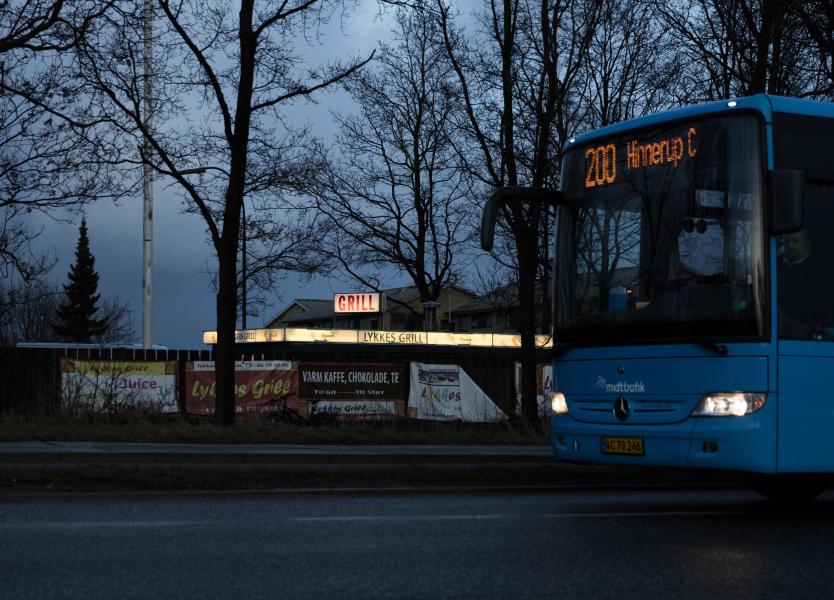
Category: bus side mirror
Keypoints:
(785, 200)
(513, 196)
(488, 220)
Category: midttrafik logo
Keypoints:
(637, 387)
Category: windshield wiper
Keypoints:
(719, 349)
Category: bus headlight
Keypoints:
(558, 404)
(729, 404)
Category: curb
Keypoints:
(267, 459)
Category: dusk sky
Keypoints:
(184, 303)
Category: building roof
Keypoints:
(313, 309)
(494, 300)
(410, 293)
(402, 294)
(501, 298)
(316, 309)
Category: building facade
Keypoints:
(401, 311)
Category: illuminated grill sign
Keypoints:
(601, 161)
(371, 302)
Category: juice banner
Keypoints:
(113, 386)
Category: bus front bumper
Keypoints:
(733, 443)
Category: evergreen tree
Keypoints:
(77, 312)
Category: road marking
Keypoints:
(667, 513)
(98, 524)
(485, 517)
(402, 518)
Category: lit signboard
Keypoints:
(247, 336)
(365, 302)
(604, 163)
(339, 336)
(352, 336)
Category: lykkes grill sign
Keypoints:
(370, 302)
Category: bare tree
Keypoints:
(395, 196)
(45, 158)
(817, 16)
(18, 262)
(743, 47)
(631, 67)
(221, 76)
(119, 328)
(519, 82)
(30, 24)
(276, 241)
(28, 310)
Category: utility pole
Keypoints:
(243, 267)
(147, 187)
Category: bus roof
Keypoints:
(762, 103)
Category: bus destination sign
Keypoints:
(602, 161)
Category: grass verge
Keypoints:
(184, 431)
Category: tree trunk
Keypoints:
(759, 83)
(224, 402)
(527, 325)
(547, 274)
(229, 240)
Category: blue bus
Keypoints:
(694, 292)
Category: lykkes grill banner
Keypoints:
(261, 387)
(447, 393)
(352, 392)
(113, 386)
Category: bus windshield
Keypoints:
(664, 239)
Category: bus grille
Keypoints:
(644, 410)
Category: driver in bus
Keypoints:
(805, 308)
(795, 248)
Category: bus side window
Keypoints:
(804, 271)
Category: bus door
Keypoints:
(805, 321)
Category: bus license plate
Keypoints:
(623, 445)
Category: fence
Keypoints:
(30, 384)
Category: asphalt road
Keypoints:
(57, 453)
(705, 543)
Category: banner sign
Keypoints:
(353, 336)
(353, 391)
(261, 387)
(352, 409)
(447, 393)
(544, 386)
(112, 386)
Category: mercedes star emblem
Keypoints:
(621, 409)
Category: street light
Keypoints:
(243, 264)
